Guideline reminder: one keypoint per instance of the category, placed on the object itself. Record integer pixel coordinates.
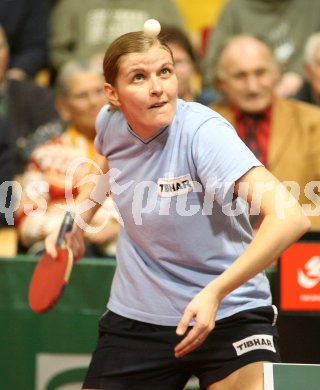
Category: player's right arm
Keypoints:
(75, 239)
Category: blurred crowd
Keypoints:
(258, 65)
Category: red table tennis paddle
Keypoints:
(51, 275)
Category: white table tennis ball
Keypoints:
(151, 28)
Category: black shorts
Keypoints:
(133, 355)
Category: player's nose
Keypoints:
(155, 86)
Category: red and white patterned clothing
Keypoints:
(47, 180)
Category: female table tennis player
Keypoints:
(189, 296)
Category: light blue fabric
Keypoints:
(177, 237)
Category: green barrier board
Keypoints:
(66, 335)
(51, 350)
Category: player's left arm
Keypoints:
(283, 223)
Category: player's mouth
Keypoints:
(158, 105)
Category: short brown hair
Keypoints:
(133, 42)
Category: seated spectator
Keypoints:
(310, 90)
(78, 33)
(26, 23)
(186, 62)
(283, 133)
(279, 22)
(24, 106)
(64, 162)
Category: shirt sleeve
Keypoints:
(221, 158)
(102, 121)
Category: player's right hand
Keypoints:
(50, 242)
(74, 240)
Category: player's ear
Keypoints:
(111, 94)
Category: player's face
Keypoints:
(146, 90)
(249, 76)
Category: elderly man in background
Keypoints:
(279, 22)
(284, 134)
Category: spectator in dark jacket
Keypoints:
(26, 23)
(24, 106)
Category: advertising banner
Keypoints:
(300, 278)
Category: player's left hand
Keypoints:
(202, 309)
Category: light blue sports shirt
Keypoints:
(181, 224)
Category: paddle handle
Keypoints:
(66, 226)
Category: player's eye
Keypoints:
(138, 77)
(166, 71)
